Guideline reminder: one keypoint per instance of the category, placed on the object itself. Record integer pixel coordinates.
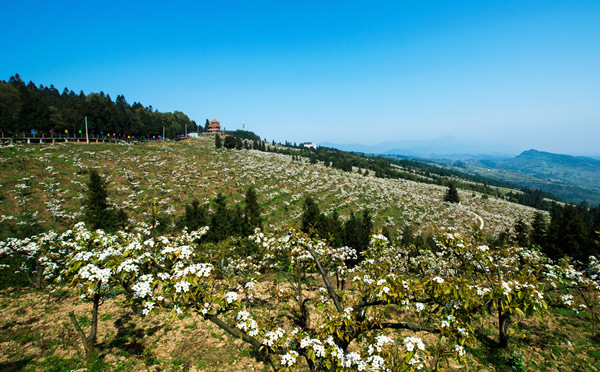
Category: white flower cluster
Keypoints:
(315, 344)
(378, 239)
(148, 306)
(353, 359)
(202, 270)
(411, 342)
(416, 361)
(289, 358)
(128, 266)
(143, 287)
(481, 291)
(272, 337)
(323, 295)
(384, 290)
(567, 299)
(380, 342)
(231, 297)
(205, 308)
(182, 286)
(419, 307)
(365, 279)
(246, 323)
(93, 273)
(347, 313)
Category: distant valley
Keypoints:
(572, 178)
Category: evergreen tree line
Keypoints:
(571, 231)
(238, 140)
(355, 232)
(26, 107)
(223, 221)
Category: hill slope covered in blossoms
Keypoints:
(49, 182)
(163, 298)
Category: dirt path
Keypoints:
(481, 222)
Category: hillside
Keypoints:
(43, 186)
(573, 179)
(575, 170)
(50, 180)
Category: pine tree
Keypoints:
(539, 230)
(352, 234)
(310, 215)
(567, 235)
(252, 218)
(367, 230)
(238, 221)
(522, 233)
(218, 143)
(229, 142)
(97, 213)
(336, 231)
(452, 194)
(220, 226)
(195, 216)
(96, 202)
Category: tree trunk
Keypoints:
(89, 341)
(87, 348)
(39, 271)
(503, 324)
(94, 328)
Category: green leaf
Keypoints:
(519, 311)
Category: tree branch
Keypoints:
(330, 289)
(588, 304)
(239, 334)
(87, 347)
(412, 327)
(578, 287)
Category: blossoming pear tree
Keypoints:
(280, 292)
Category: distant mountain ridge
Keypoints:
(447, 147)
(576, 170)
(573, 178)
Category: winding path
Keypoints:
(481, 222)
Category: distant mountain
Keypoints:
(572, 178)
(576, 170)
(447, 147)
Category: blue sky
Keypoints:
(519, 73)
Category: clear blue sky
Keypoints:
(520, 73)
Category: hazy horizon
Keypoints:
(513, 73)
